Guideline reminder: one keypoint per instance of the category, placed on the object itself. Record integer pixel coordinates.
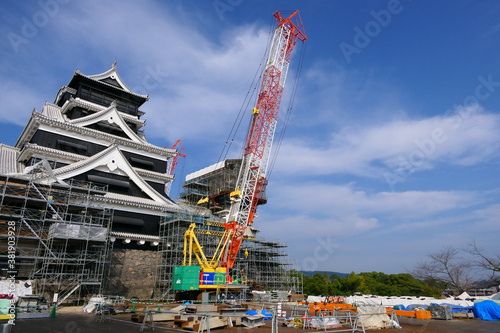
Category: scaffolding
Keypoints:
(267, 266)
(211, 186)
(172, 229)
(62, 234)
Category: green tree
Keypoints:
(376, 283)
(354, 283)
(316, 285)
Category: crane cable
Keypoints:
(288, 111)
(248, 98)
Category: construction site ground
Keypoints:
(74, 320)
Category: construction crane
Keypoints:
(252, 180)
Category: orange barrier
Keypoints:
(423, 314)
(313, 308)
(420, 314)
(320, 307)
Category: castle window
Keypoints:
(128, 220)
(108, 181)
(143, 164)
(71, 147)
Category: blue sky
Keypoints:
(392, 147)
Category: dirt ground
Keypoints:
(73, 320)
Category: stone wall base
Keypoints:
(132, 273)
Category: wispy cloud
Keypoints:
(359, 221)
(202, 78)
(341, 201)
(16, 96)
(188, 74)
(415, 144)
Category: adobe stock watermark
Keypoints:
(323, 251)
(223, 6)
(32, 25)
(151, 80)
(425, 148)
(11, 271)
(373, 28)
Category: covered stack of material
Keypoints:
(373, 317)
(440, 312)
(487, 310)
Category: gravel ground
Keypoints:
(73, 320)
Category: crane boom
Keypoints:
(252, 179)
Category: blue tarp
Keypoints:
(453, 307)
(260, 312)
(409, 307)
(458, 308)
(487, 310)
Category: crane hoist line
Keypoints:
(219, 268)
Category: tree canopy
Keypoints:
(375, 283)
(449, 268)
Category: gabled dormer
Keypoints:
(111, 168)
(108, 120)
(102, 89)
(111, 77)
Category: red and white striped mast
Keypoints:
(252, 180)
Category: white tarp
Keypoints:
(373, 317)
(84, 232)
(317, 299)
(372, 300)
(93, 303)
(324, 323)
(464, 296)
(22, 288)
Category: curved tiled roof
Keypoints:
(40, 118)
(126, 200)
(113, 159)
(111, 73)
(31, 149)
(52, 111)
(8, 159)
(129, 235)
(112, 116)
(72, 102)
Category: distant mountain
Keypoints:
(311, 273)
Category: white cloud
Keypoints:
(467, 136)
(203, 80)
(487, 218)
(342, 201)
(196, 81)
(353, 221)
(305, 214)
(16, 96)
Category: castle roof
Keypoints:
(52, 117)
(8, 159)
(110, 78)
(111, 159)
(32, 149)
